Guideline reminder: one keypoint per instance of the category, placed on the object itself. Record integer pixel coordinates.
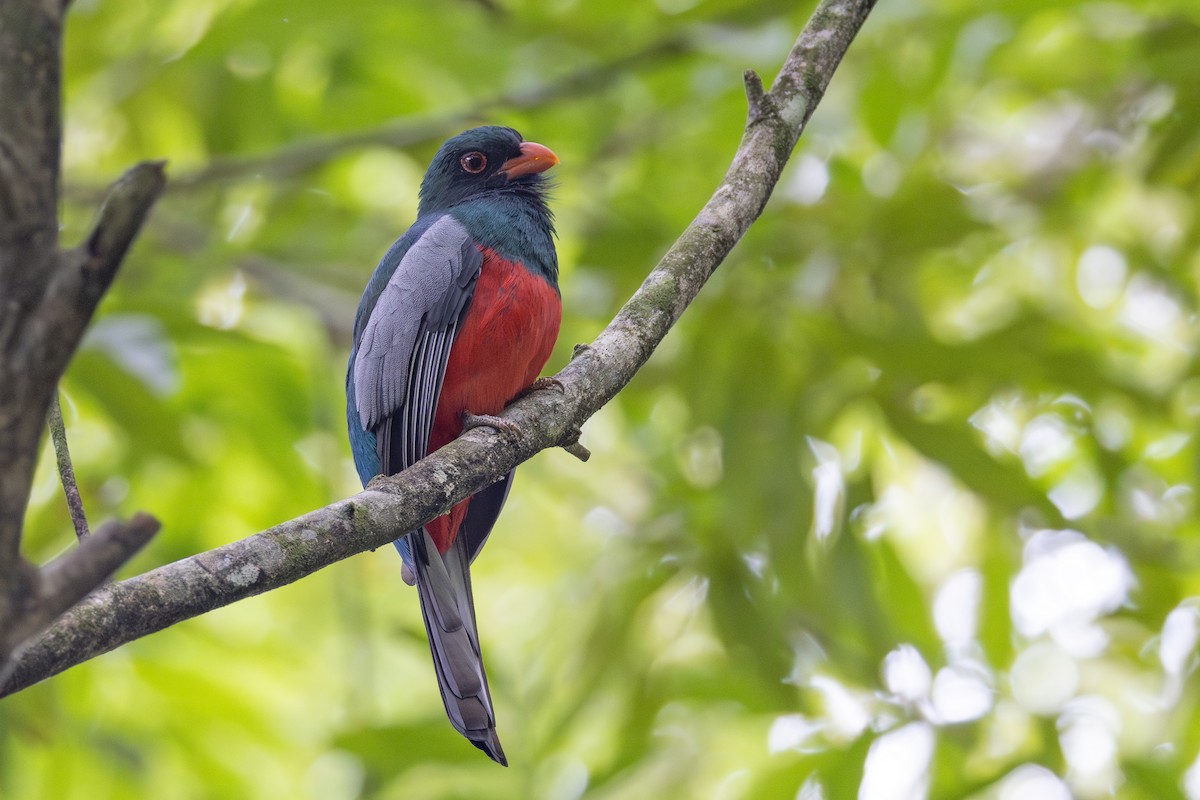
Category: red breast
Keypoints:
(503, 343)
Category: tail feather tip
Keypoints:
(489, 743)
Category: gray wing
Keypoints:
(405, 344)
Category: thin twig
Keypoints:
(754, 93)
(578, 450)
(66, 472)
(302, 156)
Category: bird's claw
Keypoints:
(498, 424)
(547, 383)
(539, 385)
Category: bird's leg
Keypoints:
(570, 441)
(539, 385)
(499, 424)
(547, 382)
(507, 426)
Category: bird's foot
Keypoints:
(541, 384)
(498, 424)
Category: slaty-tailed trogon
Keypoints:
(458, 319)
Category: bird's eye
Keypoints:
(474, 162)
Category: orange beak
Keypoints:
(534, 158)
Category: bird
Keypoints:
(458, 320)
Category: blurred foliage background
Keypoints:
(905, 506)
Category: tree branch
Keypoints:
(39, 335)
(125, 611)
(48, 299)
(45, 332)
(66, 471)
(30, 126)
(122, 216)
(30, 129)
(69, 578)
(305, 155)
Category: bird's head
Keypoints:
(484, 160)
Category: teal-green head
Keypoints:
(493, 181)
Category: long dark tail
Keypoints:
(444, 584)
